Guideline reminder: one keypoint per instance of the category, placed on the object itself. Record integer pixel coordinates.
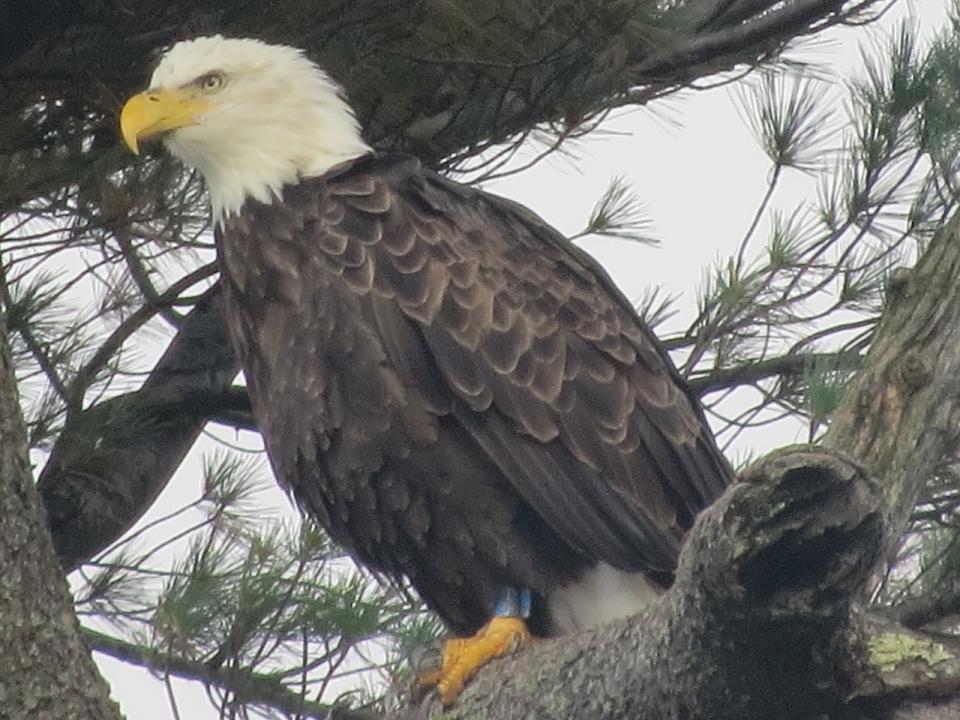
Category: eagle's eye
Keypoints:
(211, 82)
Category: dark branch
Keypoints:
(602, 57)
(113, 459)
(745, 37)
(112, 344)
(784, 366)
(245, 687)
(935, 604)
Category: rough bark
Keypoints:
(45, 669)
(901, 414)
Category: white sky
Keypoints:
(698, 169)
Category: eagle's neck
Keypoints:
(255, 159)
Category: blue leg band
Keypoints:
(513, 603)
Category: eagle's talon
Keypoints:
(424, 683)
(463, 657)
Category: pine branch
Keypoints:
(245, 687)
(109, 347)
(619, 214)
(743, 37)
(783, 366)
(36, 348)
(610, 55)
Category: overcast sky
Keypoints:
(699, 171)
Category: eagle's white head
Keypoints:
(251, 117)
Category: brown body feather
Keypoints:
(457, 393)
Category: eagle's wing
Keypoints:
(553, 373)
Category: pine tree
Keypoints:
(838, 315)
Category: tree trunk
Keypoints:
(45, 669)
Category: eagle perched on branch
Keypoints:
(454, 391)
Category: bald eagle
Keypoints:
(459, 395)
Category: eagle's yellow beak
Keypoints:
(154, 112)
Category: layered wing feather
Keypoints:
(519, 337)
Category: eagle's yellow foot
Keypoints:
(462, 657)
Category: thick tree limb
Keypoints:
(901, 413)
(907, 675)
(111, 462)
(937, 603)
